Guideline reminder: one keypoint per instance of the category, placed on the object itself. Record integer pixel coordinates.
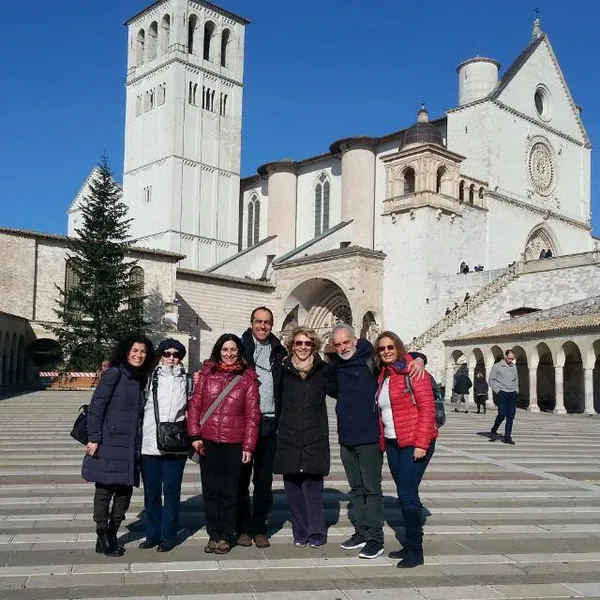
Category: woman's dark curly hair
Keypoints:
(123, 346)
(215, 355)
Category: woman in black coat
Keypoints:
(302, 454)
(112, 459)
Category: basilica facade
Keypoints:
(372, 231)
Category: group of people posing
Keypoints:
(258, 408)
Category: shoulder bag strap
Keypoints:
(154, 392)
(410, 389)
(220, 398)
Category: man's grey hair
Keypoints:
(345, 327)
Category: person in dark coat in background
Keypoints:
(112, 459)
(462, 385)
(481, 392)
(302, 453)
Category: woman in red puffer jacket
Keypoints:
(408, 430)
(227, 438)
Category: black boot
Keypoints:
(413, 549)
(104, 544)
(397, 553)
(113, 528)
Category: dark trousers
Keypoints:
(407, 473)
(260, 470)
(363, 465)
(304, 495)
(120, 495)
(162, 476)
(507, 409)
(481, 403)
(220, 474)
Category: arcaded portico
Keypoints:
(557, 351)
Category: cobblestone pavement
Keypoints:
(502, 522)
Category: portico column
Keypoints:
(471, 394)
(533, 400)
(559, 408)
(588, 386)
(1, 368)
(449, 383)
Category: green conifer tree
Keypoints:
(101, 301)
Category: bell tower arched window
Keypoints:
(471, 194)
(209, 33)
(165, 34)
(225, 39)
(461, 191)
(140, 47)
(152, 40)
(322, 193)
(192, 25)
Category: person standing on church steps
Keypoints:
(504, 381)
(264, 353)
(353, 382)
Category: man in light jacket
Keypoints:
(504, 381)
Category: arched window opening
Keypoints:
(193, 93)
(136, 279)
(152, 40)
(165, 34)
(140, 47)
(471, 193)
(409, 181)
(223, 105)
(253, 225)
(192, 25)
(461, 191)
(162, 94)
(209, 32)
(439, 183)
(322, 194)
(225, 38)
(481, 193)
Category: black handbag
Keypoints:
(170, 437)
(79, 431)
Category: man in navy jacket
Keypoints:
(354, 384)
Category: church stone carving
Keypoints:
(542, 170)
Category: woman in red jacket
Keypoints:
(227, 438)
(408, 430)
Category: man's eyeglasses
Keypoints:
(167, 354)
(389, 348)
(305, 343)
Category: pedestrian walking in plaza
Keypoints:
(354, 386)
(462, 385)
(481, 392)
(162, 472)
(504, 381)
(264, 353)
(302, 452)
(408, 430)
(223, 422)
(112, 457)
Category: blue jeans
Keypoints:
(162, 476)
(507, 409)
(407, 473)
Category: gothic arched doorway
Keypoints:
(319, 304)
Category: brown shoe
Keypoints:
(261, 541)
(244, 540)
(210, 547)
(222, 547)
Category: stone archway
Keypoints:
(540, 238)
(319, 304)
(596, 376)
(370, 328)
(546, 387)
(573, 386)
(523, 372)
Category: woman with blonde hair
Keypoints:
(302, 454)
(408, 430)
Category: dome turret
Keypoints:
(422, 132)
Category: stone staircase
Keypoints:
(484, 294)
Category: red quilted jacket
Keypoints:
(415, 425)
(237, 418)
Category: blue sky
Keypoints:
(316, 70)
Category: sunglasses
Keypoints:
(167, 354)
(389, 348)
(300, 343)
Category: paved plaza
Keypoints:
(502, 522)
